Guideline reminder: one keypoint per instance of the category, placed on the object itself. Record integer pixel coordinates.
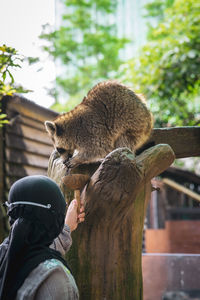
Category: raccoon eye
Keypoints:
(61, 150)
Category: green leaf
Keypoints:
(169, 63)
(11, 76)
(4, 75)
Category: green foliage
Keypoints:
(156, 9)
(155, 14)
(168, 67)
(86, 45)
(32, 60)
(69, 105)
(9, 59)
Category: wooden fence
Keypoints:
(25, 146)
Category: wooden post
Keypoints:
(107, 247)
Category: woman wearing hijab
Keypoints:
(29, 268)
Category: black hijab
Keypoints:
(36, 209)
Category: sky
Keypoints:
(20, 25)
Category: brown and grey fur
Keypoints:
(110, 116)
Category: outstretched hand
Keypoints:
(73, 218)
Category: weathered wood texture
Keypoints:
(107, 247)
(185, 141)
(24, 144)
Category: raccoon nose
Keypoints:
(65, 161)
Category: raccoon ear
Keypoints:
(50, 127)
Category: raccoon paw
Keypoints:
(71, 164)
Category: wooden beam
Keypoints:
(181, 175)
(181, 189)
(185, 141)
(20, 105)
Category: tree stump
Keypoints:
(107, 248)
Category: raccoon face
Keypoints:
(60, 140)
(65, 154)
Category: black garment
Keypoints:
(33, 229)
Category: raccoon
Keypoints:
(109, 117)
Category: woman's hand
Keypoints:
(72, 218)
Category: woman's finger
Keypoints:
(82, 213)
(81, 209)
(80, 220)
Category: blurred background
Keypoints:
(54, 51)
(68, 46)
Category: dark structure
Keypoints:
(24, 144)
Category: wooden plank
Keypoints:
(24, 144)
(18, 170)
(15, 170)
(19, 157)
(25, 120)
(181, 189)
(185, 141)
(30, 133)
(9, 180)
(28, 108)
